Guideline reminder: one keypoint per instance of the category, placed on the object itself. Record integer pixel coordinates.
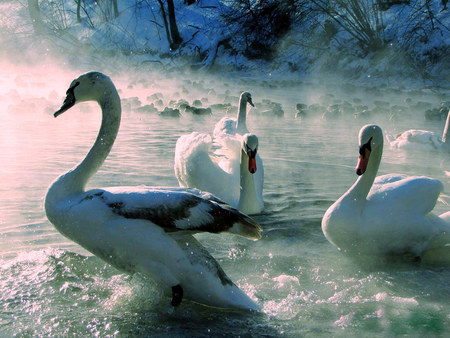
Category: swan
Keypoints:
(142, 229)
(228, 126)
(390, 214)
(422, 139)
(236, 179)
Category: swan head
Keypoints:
(370, 139)
(247, 97)
(250, 148)
(91, 86)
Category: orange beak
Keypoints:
(252, 164)
(362, 162)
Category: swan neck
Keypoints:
(247, 195)
(241, 125)
(76, 179)
(446, 135)
(359, 191)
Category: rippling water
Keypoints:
(305, 286)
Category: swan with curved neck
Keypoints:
(389, 214)
(238, 179)
(427, 140)
(231, 126)
(141, 229)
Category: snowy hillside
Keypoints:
(367, 42)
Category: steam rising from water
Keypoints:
(52, 286)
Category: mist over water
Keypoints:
(304, 285)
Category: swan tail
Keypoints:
(246, 229)
(231, 219)
(245, 225)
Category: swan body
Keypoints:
(236, 178)
(389, 214)
(142, 229)
(422, 139)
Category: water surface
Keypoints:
(305, 286)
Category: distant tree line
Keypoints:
(262, 24)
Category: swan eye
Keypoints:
(362, 149)
(250, 152)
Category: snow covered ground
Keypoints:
(417, 40)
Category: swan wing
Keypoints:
(226, 126)
(416, 138)
(417, 194)
(197, 167)
(177, 209)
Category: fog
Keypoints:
(307, 119)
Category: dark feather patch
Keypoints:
(171, 209)
(162, 216)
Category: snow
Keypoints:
(416, 34)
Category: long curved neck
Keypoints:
(247, 197)
(76, 179)
(241, 126)
(446, 134)
(360, 189)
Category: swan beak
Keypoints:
(252, 164)
(362, 162)
(250, 102)
(68, 103)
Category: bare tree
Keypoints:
(172, 33)
(104, 6)
(79, 10)
(361, 19)
(176, 38)
(35, 15)
(116, 8)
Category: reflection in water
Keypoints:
(51, 286)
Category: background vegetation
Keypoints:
(408, 37)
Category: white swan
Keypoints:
(140, 229)
(390, 214)
(228, 126)
(422, 139)
(236, 179)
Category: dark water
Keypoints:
(305, 286)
